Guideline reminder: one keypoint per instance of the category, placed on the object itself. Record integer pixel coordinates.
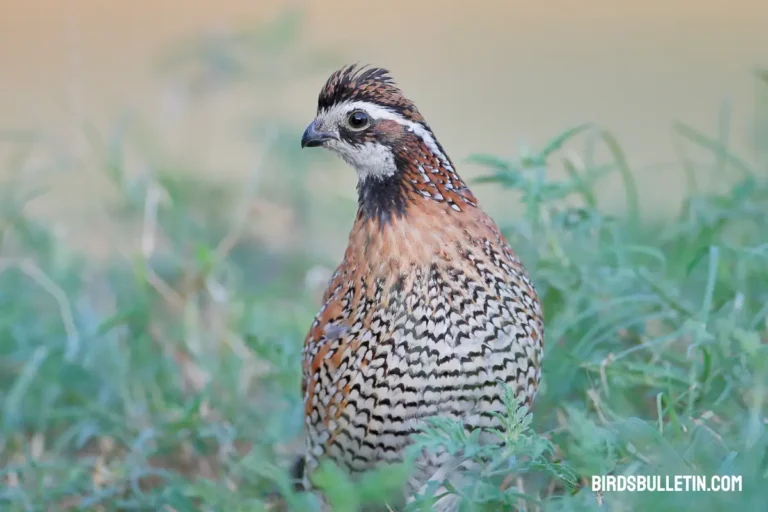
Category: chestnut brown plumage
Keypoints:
(429, 309)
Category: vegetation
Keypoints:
(168, 379)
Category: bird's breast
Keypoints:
(402, 337)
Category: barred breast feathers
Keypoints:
(429, 309)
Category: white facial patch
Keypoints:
(369, 160)
(373, 159)
(379, 112)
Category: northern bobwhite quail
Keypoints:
(429, 309)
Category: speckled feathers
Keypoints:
(429, 310)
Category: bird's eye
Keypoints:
(357, 120)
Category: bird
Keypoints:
(430, 312)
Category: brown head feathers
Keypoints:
(370, 84)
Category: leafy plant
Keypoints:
(165, 377)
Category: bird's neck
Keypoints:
(382, 199)
(428, 232)
(425, 178)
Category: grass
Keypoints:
(167, 377)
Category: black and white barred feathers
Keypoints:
(428, 310)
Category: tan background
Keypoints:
(488, 75)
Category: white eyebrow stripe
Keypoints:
(379, 112)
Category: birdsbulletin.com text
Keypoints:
(666, 483)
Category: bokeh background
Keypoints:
(490, 76)
(164, 240)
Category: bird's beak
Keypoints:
(313, 137)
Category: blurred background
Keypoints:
(490, 76)
(164, 240)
